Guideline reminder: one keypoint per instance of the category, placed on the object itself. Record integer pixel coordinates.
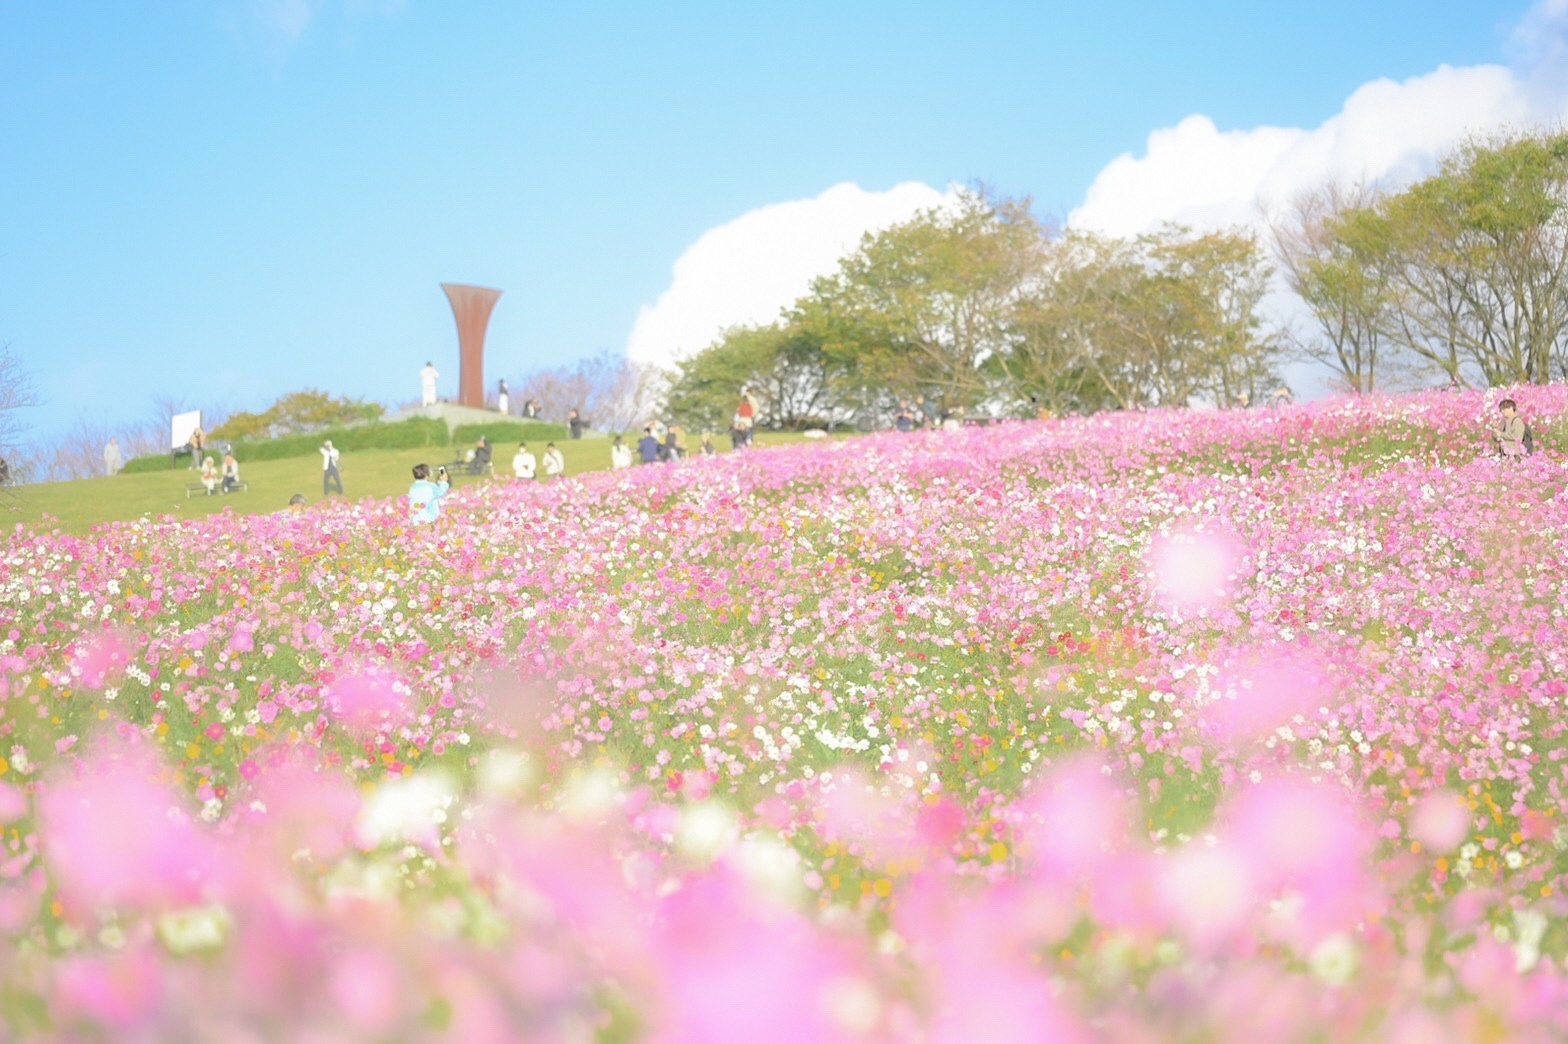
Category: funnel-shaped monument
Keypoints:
(471, 305)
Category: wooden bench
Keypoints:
(456, 469)
(196, 488)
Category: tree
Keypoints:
(1065, 357)
(784, 365)
(1159, 320)
(16, 394)
(610, 391)
(1343, 283)
(922, 306)
(298, 413)
(1213, 284)
(1477, 261)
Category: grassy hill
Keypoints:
(78, 505)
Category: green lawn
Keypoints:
(79, 505)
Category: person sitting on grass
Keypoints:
(554, 462)
(620, 454)
(424, 496)
(231, 472)
(209, 474)
(523, 463)
(1510, 433)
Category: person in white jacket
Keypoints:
(427, 385)
(620, 454)
(331, 478)
(523, 463)
(554, 462)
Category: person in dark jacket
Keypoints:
(648, 447)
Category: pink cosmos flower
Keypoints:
(1192, 569)
(113, 833)
(1440, 821)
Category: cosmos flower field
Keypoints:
(1200, 726)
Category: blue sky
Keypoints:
(225, 200)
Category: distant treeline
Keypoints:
(1461, 278)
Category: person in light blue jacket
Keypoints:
(424, 496)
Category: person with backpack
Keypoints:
(1512, 435)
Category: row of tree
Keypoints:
(981, 307)
(1462, 276)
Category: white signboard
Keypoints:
(183, 427)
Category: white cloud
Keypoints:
(283, 23)
(1389, 132)
(746, 271)
(287, 18)
(1540, 40)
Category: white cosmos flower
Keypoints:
(406, 809)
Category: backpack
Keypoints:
(1529, 441)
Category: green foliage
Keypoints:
(298, 413)
(406, 434)
(978, 307)
(920, 306)
(153, 462)
(784, 366)
(504, 433)
(1463, 273)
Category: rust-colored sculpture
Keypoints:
(471, 305)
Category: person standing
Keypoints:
(745, 416)
(620, 454)
(575, 424)
(424, 496)
(523, 463)
(674, 446)
(427, 385)
(708, 448)
(503, 401)
(554, 462)
(330, 476)
(198, 445)
(648, 446)
(231, 471)
(112, 461)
